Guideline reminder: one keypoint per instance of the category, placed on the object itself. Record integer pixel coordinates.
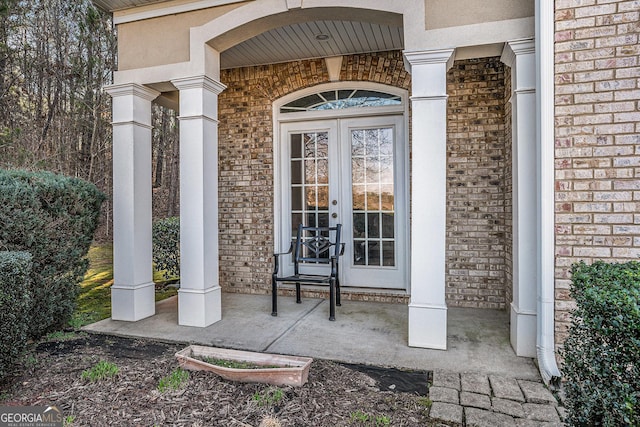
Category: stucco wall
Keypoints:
(476, 185)
(162, 40)
(439, 12)
(597, 138)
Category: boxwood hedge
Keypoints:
(52, 217)
(15, 269)
(602, 353)
(166, 246)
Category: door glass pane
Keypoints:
(296, 172)
(296, 146)
(359, 252)
(388, 254)
(358, 197)
(373, 255)
(359, 224)
(323, 198)
(309, 180)
(388, 225)
(322, 167)
(373, 224)
(373, 197)
(322, 145)
(296, 198)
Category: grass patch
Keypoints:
(173, 381)
(425, 401)
(102, 371)
(362, 418)
(94, 299)
(269, 397)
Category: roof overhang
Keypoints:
(134, 10)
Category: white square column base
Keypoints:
(132, 303)
(523, 332)
(428, 326)
(198, 307)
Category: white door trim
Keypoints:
(402, 162)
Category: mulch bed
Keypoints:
(336, 394)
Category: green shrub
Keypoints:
(53, 218)
(166, 246)
(15, 268)
(602, 352)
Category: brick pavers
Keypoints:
(471, 399)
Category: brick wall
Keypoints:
(246, 155)
(477, 185)
(597, 140)
(479, 171)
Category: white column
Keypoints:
(199, 297)
(427, 307)
(520, 56)
(133, 291)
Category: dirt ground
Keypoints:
(336, 394)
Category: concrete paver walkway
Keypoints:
(479, 400)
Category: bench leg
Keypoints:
(298, 299)
(274, 296)
(332, 299)
(338, 292)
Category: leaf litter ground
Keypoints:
(336, 394)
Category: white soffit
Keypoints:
(144, 9)
(309, 40)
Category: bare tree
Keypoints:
(55, 57)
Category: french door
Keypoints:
(350, 171)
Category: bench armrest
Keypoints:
(276, 259)
(285, 253)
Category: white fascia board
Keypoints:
(170, 10)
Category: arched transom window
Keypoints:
(340, 99)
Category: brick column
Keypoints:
(133, 291)
(427, 307)
(520, 56)
(199, 298)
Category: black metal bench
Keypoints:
(314, 245)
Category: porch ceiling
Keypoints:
(313, 39)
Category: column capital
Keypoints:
(131, 89)
(428, 57)
(428, 70)
(199, 82)
(131, 104)
(514, 48)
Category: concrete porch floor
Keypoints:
(364, 332)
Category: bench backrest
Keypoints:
(317, 245)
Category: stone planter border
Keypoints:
(294, 370)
